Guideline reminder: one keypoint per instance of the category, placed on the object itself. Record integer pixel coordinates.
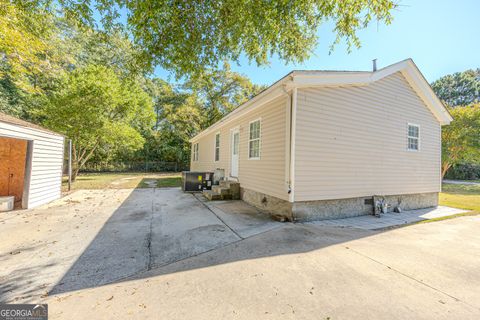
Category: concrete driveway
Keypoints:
(162, 254)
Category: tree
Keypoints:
(459, 89)
(461, 139)
(25, 31)
(97, 109)
(189, 36)
(221, 92)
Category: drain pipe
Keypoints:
(293, 125)
(290, 141)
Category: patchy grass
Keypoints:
(122, 181)
(167, 181)
(460, 196)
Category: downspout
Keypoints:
(293, 125)
(288, 136)
(290, 142)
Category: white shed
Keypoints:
(31, 162)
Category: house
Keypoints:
(31, 162)
(322, 144)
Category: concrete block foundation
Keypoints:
(277, 208)
(333, 209)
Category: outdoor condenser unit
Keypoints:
(193, 181)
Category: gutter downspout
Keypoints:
(293, 125)
(288, 136)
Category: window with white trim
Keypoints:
(195, 151)
(254, 140)
(413, 137)
(217, 147)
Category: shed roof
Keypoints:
(19, 122)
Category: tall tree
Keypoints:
(221, 91)
(97, 109)
(461, 139)
(189, 36)
(460, 88)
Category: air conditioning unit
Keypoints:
(194, 181)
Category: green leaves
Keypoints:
(189, 37)
(460, 88)
(461, 139)
(97, 109)
(221, 91)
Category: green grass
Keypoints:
(122, 181)
(460, 196)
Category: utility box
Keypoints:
(193, 181)
(7, 203)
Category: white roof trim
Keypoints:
(303, 79)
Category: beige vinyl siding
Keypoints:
(47, 162)
(352, 142)
(266, 175)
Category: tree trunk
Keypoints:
(445, 167)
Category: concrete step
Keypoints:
(211, 195)
(221, 190)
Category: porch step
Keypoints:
(226, 190)
(211, 195)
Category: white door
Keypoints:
(235, 143)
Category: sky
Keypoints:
(441, 37)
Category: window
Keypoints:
(195, 152)
(217, 147)
(254, 140)
(413, 137)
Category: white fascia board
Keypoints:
(308, 79)
(263, 98)
(425, 92)
(407, 67)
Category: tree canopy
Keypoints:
(189, 37)
(96, 109)
(461, 139)
(460, 88)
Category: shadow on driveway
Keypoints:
(153, 228)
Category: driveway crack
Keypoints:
(149, 237)
(411, 277)
(218, 217)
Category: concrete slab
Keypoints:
(426, 271)
(183, 227)
(95, 237)
(244, 219)
(390, 219)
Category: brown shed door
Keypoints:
(12, 168)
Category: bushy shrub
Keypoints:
(464, 171)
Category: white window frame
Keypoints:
(259, 120)
(409, 124)
(215, 147)
(195, 151)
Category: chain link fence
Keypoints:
(135, 166)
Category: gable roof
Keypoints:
(321, 78)
(12, 120)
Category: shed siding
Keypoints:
(266, 175)
(352, 142)
(47, 162)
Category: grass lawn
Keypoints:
(123, 180)
(459, 196)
